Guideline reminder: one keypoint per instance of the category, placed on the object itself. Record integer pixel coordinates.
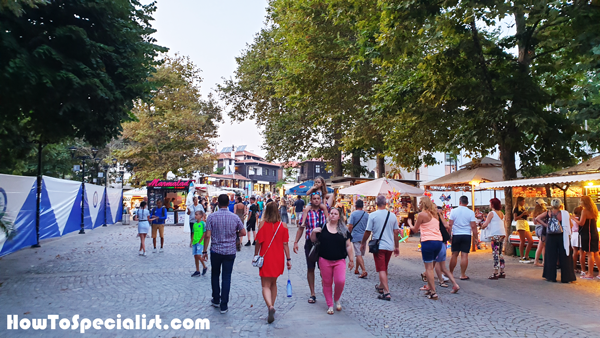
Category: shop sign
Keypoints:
(168, 184)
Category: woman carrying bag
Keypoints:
(271, 246)
(494, 230)
(334, 247)
(558, 229)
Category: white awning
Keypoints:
(541, 181)
(263, 182)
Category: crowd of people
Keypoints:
(333, 244)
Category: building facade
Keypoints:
(311, 169)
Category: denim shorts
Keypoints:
(197, 249)
(430, 250)
(441, 257)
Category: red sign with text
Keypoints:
(168, 184)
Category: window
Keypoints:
(317, 168)
(274, 172)
(451, 164)
(266, 172)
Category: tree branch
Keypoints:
(548, 52)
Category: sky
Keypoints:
(212, 33)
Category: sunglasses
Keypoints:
(316, 193)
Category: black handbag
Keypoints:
(313, 254)
(374, 243)
(445, 235)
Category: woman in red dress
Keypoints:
(272, 243)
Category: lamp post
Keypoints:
(38, 196)
(105, 167)
(82, 158)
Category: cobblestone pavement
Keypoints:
(100, 275)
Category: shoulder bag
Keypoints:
(374, 243)
(554, 226)
(443, 231)
(259, 260)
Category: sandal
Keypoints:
(455, 289)
(423, 278)
(424, 288)
(356, 272)
(312, 299)
(385, 296)
(427, 293)
(338, 306)
(433, 296)
(443, 284)
(494, 276)
(363, 275)
(330, 311)
(502, 275)
(380, 290)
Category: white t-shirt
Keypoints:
(462, 218)
(375, 224)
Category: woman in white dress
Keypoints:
(142, 216)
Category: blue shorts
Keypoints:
(441, 257)
(430, 250)
(197, 249)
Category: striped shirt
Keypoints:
(314, 218)
(223, 226)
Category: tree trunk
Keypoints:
(380, 165)
(509, 171)
(356, 166)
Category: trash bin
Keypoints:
(125, 220)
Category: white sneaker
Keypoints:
(141, 253)
(161, 250)
(144, 254)
(154, 251)
(445, 278)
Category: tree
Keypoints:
(298, 82)
(175, 130)
(452, 82)
(17, 6)
(71, 69)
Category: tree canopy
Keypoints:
(175, 130)
(71, 69)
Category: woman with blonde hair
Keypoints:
(272, 244)
(589, 235)
(558, 229)
(540, 208)
(431, 244)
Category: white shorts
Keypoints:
(575, 240)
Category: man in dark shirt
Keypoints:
(299, 205)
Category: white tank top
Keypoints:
(496, 226)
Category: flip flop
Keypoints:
(363, 275)
(455, 290)
(312, 299)
(466, 278)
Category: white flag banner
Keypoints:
(114, 202)
(94, 196)
(62, 195)
(17, 207)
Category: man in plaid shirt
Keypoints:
(314, 218)
(222, 227)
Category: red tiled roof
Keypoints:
(225, 156)
(246, 153)
(258, 162)
(228, 177)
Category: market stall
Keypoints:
(173, 194)
(467, 179)
(399, 195)
(132, 198)
(569, 188)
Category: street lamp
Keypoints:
(82, 158)
(105, 167)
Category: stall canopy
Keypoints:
(381, 187)
(473, 173)
(541, 181)
(302, 188)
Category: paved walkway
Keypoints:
(100, 275)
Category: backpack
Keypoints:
(554, 225)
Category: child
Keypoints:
(318, 188)
(197, 243)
